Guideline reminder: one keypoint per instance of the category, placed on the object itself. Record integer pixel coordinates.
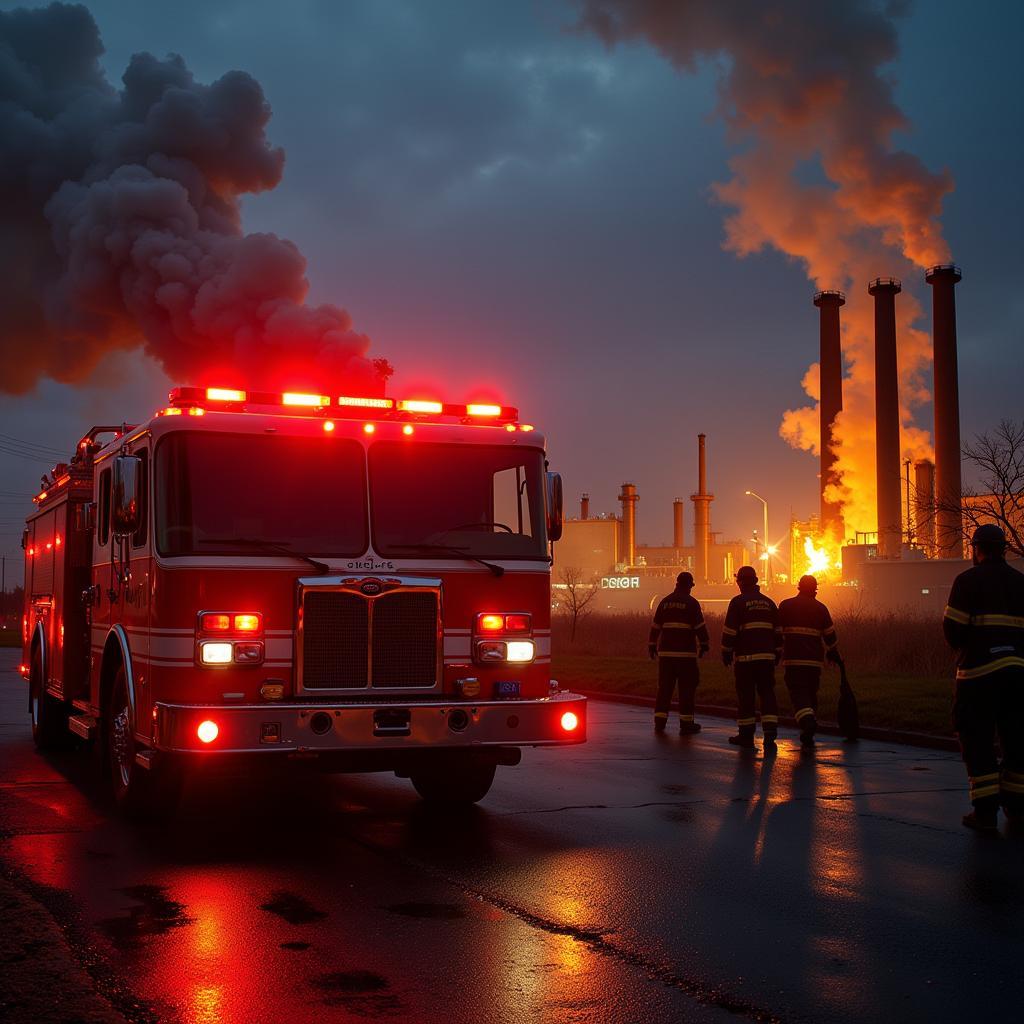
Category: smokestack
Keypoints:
(677, 523)
(629, 498)
(924, 505)
(701, 514)
(585, 506)
(887, 417)
(948, 492)
(830, 403)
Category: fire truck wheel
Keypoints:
(461, 779)
(141, 793)
(49, 715)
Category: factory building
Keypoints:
(633, 576)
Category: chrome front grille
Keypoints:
(353, 640)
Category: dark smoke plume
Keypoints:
(818, 177)
(120, 224)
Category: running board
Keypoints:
(144, 758)
(83, 725)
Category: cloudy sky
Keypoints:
(506, 205)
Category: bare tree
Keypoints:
(998, 459)
(574, 597)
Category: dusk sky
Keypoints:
(507, 206)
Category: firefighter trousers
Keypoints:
(983, 708)
(802, 681)
(672, 672)
(756, 679)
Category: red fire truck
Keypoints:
(359, 581)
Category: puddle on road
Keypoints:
(432, 911)
(294, 909)
(360, 992)
(155, 914)
(297, 946)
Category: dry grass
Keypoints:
(894, 644)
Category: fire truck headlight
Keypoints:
(520, 650)
(216, 653)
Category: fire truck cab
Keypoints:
(359, 581)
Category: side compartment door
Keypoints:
(136, 594)
(102, 580)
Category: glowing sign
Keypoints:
(620, 582)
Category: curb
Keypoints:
(867, 732)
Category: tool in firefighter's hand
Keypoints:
(846, 713)
(269, 545)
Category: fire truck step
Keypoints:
(83, 725)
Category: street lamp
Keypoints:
(764, 536)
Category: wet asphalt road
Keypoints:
(631, 879)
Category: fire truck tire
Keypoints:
(139, 793)
(454, 780)
(49, 715)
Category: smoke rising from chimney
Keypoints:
(122, 224)
(803, 92)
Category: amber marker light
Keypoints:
(310, 401)
(570, 721)
(491, 623)
(247, 623)
(215, 622)
(483, 410)
(366, 403)
(208, 731)
(225, 395)
(420, 405)
(369, 428)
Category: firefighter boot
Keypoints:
(687, 726)
(770, 730)
(745, 737)
(660, 718)
(982, 820)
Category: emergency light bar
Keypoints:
(194, 401)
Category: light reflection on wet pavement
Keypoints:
(632, 879)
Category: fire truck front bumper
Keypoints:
(558, 720)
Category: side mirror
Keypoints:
(85, 517)
(125, 499)
(554, 506)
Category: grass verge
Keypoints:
(886, 700)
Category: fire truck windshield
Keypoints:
(303, 493)
(481, 501)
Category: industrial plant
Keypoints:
(908, 562)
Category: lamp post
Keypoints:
(764, 536)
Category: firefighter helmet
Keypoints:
(989, 538)
(746, 574)
(808, 584)
(685, 581)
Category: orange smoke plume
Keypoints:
(818, 178)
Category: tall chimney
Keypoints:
(677, 523)
(629, 498)
(585, 506)
(701, 514)
(831, 402)
(887, 417)
(948, 493)
(924, 505)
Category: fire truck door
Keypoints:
(136, 591)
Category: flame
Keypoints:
(823, 559)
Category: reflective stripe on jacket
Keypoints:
(806, 626)
(984, 620)
(678, 628)
(751, 628)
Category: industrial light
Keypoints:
(225, 395)
(419, 405)
(570, 721)
(311, 401)
(519, 650)
(208, 731)
(216, 653)
(483, 410)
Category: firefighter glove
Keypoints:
(652, 650)
(703, 650)
(726, 657)
(835, 658)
